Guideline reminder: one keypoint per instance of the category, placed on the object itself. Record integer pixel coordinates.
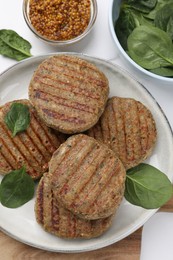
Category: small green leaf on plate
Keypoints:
(16, 188)
(147, 187)
(18, 118)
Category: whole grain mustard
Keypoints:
(60, 19)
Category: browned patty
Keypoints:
(87, 178)
(68, 93)
(128, 128)
(61, 222)
(31, 148)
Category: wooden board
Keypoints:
(128, 248)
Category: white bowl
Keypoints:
(114, 9)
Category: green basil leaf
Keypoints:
(147, 187)
(16, 189)
(18, 118)
(150, 47)
(13, 45)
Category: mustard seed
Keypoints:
(60, 19)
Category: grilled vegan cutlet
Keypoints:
(31, 148)
(87, 178)
(128, 128)
(61, 222)
(68, 93)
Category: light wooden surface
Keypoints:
(128, 248)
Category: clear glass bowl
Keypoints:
(93, 17)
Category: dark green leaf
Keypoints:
(163, 19)
(16, 189)
(169, 28)
(165, 72)
(159, 5)
(124, 26)
(147, 187)
(150, 47)
(128, 20)
(144, 6)
(14, 46)
(18, 118)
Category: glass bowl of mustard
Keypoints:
(60, 22)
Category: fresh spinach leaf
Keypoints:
(16, 188)
(164, 19)
(159, 5)
(144, 6)
(13, 45)
(128, 20)
(165, 72)
(147, 187)
(150, 47)
(124, 26)
(169, 28)
(18, 118)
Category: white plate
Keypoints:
(20, 223)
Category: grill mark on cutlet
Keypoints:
(75, 77)
(94, 199)
(63, 117)
(144, 129)
(129, 130)
(76, 183)
(136, 130)
(25, 152)
(16, 142)
(62, 222)
(9, 142)
(51, 142)
(67, 103)
(32, 147)
(28, 145)
(113, 128)
(75, 103)
(45, 140)
(60, 85)
(5, 161)
(78, 65)
(71, 164)
(62, 155)
(137, 150)
(99, 180)
(118, 188)
(121, 132)
(55, 216)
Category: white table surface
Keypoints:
(99, 43)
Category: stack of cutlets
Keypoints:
(82, 190)
(84, 174)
